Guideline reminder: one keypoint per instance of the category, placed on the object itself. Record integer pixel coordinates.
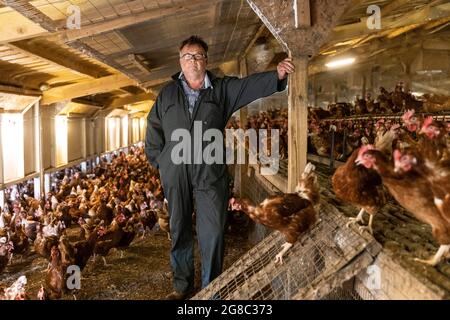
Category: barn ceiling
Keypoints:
(126, 50)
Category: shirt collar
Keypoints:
(206, 84)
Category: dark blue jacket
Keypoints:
(213, 108)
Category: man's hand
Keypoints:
(284, 68)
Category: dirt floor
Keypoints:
(142, 273)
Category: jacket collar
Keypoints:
(209, 77)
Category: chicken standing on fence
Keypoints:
(360, 186)
(418, 179)
(292, 214)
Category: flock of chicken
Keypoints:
(409, 159)
(386, 103)
(349, 134)
(267, 120)
(110, 208)
(411, 162)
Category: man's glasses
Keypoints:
(190, 56)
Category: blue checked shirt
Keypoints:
(191, 94)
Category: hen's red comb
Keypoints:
(428, 120)
(397, 154)
(408, 114)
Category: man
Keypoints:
(196, 98)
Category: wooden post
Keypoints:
(302, 13)
(315, 93)
(243, 112)
(241, 169)
(1, 152)
(363, 89)
(38, 114)
(336, 91)
(297, 120)
(407, 81)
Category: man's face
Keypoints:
(193, 68)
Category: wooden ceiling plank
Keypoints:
(18, 90)
(56, 59)
(25, 8)
(100, 85)
(131, 19)
(119, 102)
(14, 27)
(29, 11)
(358, 29)
(138, 63)
(391, 7)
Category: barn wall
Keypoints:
(12, 148)
(48, 135)
(113, 133)
(29, 145)
(135, 130)
(99, 135)
(61, 145)
(90, 139)
(143, 128)
(75, 135)
(124, 141)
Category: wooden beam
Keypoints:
(302, 14)
(84, 103)
(391, 7)
(25, 8)
(133, 19)
(437, 23)
(258, 34)
(92, 53)
(421, 16)
(304, 41)
(241, 169)
(119, 102)
(243, 113)
(14, 27)
(403, 30)
(18, 90)
(56, 59)
(369, 54)
(71, 91)
(154, 82)
(29, 11)
(297, 121)
(138, 63)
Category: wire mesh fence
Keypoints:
(309, 269)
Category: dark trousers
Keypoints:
(211, 207)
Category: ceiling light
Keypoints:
(340, 63)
